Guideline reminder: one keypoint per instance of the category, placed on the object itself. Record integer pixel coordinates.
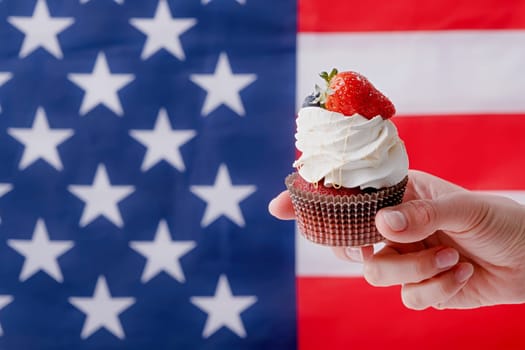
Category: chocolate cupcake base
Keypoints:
(347, 220)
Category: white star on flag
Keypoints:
(102, 310)
(223, 87)
(4, 188)
(163, 31)
(101, 198)
(41, 30)
(40, 253)
(101, 86)
(162, 254)
(4, 301)
(163, 143)
(120, 2)
(40, 142)
(223, 309)
(206, 2)
(4, 77)
(223, 198)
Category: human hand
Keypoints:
(446, 246)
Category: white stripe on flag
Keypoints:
(447, 72)
(316, 260)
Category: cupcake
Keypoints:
(352, 162)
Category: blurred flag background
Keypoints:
(140, 142)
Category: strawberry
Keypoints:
(350, 92)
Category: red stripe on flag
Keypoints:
(347, 313)
(401, 15)
(485, 152)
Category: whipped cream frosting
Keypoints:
(349, 151)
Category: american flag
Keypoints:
(455, 71)
(140, 142)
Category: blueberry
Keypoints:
(312, 100)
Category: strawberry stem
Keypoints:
(323, 93)
(328, 76)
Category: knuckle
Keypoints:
(433, 293)
(422, 211)
(412, 299)
(420, 271)
(475, 219)
(447, 287)
(373, 274)
(424, 266)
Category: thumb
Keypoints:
(415, 220)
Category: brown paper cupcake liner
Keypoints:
(347, 220)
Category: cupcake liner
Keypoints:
(346, 220)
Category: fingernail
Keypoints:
(463, 272)
(354, 254)
(395, 220)
(446, 258)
